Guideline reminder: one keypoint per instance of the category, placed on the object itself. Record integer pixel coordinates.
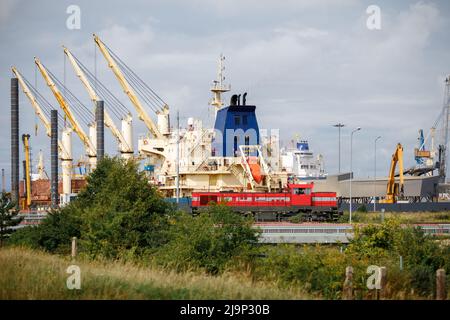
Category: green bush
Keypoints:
(386, 242)
(54, 234)
(319, 270)
(210, 241)
(117, 215)
(374, 240)
(8, 217)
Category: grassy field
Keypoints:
(28, 274)
(404, 217)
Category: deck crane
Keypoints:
(91, 150)
(64, 145)
(163, 114)
(26, 150)
(395, 189)
(125, 147)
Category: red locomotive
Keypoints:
(296, 199)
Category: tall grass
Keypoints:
(28, 274)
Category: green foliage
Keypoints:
(123, 216)
(319, 269)
(209, 241)
(118, 214)
(8, 217)
(374, 240)
(421, 255)
(356, 216)
(54, 234)
(362, 208)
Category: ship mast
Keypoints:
(219, 87)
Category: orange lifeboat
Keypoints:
(255, 169)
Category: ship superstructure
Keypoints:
(232, 156)
(301, 164)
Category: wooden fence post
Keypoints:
(441, 293)
(74, 247)
(383, 280)
(347, 291)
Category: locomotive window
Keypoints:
(306, 191)
(203, 200)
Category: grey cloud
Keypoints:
(305, 64)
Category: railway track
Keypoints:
(285, 232)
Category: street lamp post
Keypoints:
(351, 170)
(339, 126)
(178, 159)
(375, 176)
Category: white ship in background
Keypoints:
(299, 162)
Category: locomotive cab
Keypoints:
(301, 194)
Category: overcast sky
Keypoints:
(305, 64)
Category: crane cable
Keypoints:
(137, 78)
(79, 108)
(43, 103)
(112, 101)
(35, 115)
(153, 100)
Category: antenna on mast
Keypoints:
(218, 87)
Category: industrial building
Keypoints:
(416, 188)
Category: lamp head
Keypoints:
(357, 129)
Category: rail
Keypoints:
(324, 233)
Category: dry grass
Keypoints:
(28, 274)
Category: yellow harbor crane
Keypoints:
(395, 189)
(26, 150)
(125, 148)
(130, 92)
(91, 150)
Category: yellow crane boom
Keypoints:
(94, 97)
(38, 110)
(128, 89)
(26, 149)
(395, 189)
(90, 148)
